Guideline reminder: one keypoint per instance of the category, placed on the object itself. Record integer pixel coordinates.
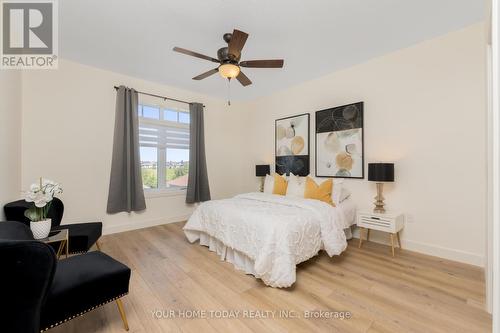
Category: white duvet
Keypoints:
(276, 232)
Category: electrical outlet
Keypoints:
(410, 218)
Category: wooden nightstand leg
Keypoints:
(368, 235)
(392, 244)
(399, 240)
(360, 237)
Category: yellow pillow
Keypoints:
(280, 185)
(321, 192)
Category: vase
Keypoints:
(41, 229)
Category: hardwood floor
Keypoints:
(408, 293)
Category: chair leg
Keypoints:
(97, 245)
(122, 313)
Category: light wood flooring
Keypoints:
(408, 293)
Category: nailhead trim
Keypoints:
(82, 313)
(78, 252)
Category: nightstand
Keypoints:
(389, 222)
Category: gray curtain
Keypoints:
(126, 193)
(198, 189)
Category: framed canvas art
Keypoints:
(292, 145)
(339, 142)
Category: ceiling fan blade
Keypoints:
(194, 54)
(206, 74)
(244, 80)
(276, 63)
(237, 42)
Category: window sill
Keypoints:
(164, 193)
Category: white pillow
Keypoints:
(344, 194)
(269, 184)
(296, 186)
(338, 184)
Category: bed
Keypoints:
(267, 235)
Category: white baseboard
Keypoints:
(446, 253)
(429, 249)
(433, 250)
(141, 225)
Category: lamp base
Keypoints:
(379, 199)
(261, 189)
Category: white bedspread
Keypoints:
(276, 232)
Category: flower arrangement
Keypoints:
(41, 195)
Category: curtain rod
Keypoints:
(162, 97)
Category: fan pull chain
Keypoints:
(229, 91)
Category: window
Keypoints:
(150, 112)
(164, 147)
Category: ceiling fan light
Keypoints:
(229, 71)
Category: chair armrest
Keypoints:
(27, 272)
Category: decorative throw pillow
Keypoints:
(295, 187)
(322, 192)
(338, 184)
(280, 184)
(269, 184)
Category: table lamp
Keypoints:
(261, 171)
(380, 173)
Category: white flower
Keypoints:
(34, 188)
(45, 194)
(29, 196)
(39, 198)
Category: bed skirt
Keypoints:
(239, 260)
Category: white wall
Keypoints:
(425, 110)
(68, 132)
(10, 136)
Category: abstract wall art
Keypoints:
(339, 142)
(292, 145)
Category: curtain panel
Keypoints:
(126, 193)
(198, 188)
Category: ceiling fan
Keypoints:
(228, 59)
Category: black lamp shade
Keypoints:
(381, 172)
(262, 170)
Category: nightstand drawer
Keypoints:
(375, 222)
(380, 222)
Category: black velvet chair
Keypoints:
(39, 292)
(81, 235)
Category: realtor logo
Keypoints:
(29, 34)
